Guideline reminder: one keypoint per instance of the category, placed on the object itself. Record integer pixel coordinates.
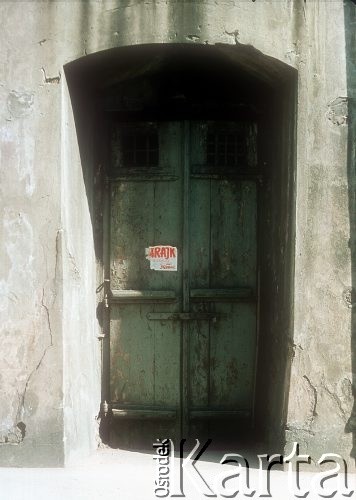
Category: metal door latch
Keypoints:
(106, 295)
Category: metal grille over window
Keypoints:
(225, 149)
(134, 148)
(139, 148)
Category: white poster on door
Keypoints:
(162, 257)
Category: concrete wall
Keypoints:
(50, 378)
(320, 395)
(350, 35)
(31, 263)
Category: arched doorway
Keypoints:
(195, 171)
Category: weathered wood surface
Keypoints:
(147, 354)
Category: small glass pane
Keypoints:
(227, 148)
(140, 147)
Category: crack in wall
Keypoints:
(335, 398)
(22, 397)
(57, 268)
(315, 397)
(48, 320)
(18, 432)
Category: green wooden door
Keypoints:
(182, 342)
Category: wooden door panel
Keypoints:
(144, 357)
(167, 339)
(199, 362)
(232, 356)
(200, 248)
(222, 358)
(144, 214)
(132, 226)
(223, 280)
(233, 234)
(208, 365)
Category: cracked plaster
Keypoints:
(39, 161)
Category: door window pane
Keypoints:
(135, 147)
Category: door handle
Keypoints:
(182, 316)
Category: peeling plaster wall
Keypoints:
(30, 262)
(50, 385)
(320, 397)
(50, 354)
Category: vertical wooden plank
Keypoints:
(185, 363)
(199, 351)
(233, 234)
(167, 230)
(198, 146)
(167, 209)
(132, 355)
(131, 337)
(233, 339)
(145, 355)
(233, 343)
(199, 243)
(223, 219)
(166, 352)
(200, 233)
(132, 217)
(144, 214)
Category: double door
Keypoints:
(183, 278)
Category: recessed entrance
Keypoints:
(193, 212)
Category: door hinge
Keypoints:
(104, 408)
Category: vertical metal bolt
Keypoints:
(105, 408)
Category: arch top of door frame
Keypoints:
(106, 68)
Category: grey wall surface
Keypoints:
(50, 356)
(350, 39)
(321, 380)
